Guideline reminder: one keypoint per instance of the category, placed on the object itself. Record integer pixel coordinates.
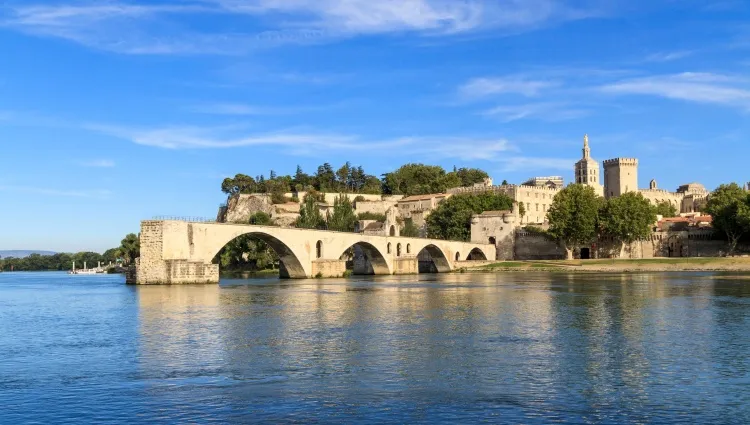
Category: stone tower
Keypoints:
(587, 169)
(620, 176)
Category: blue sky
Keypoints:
(117, 111)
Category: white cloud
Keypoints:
(147, 28)
(483, 87)
(668, 56)
(517, 163)
(99, 163)
(99, 194)
(689, 86)
(545, 111)
(309, 143)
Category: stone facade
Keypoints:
(587, 169)
(620, 176)
(553, 182)
(497, 228)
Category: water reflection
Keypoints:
(531, 348)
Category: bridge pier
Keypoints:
(328, 268)
(408, 265)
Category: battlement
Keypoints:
(621, 161)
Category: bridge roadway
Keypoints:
(181, 252)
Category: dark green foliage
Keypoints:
(309, 214)
(470, 176)
(261, 219)
(410, 230)
(420, 179)
(452, 218)
(665, 209)
(627, 218)
(342, 219)
(729, 205)
(130, 248)
(371, 216)
(573, 216)
(504, 183)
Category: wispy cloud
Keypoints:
(98, 163)
(163, 28)
(517, 163)
(99, 194)
(668, 56)
(689, 86)
(545, 111)
(486, 86)
(310, 143)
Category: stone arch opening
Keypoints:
(408, 248)
(319, 249)
(493, 241)
(431, 259)
(282, 256)
(476, 254)
(392, 231)
(389, 247)
(366, 260)
(458, 256)
(398, 250)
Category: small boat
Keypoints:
(97, 270)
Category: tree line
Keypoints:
(409, 179)
(125, 254)
(578, 217)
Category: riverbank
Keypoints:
(620, 265)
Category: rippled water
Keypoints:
(518, 348)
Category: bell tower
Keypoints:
(587, 169)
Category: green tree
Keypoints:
(371, 216)
(627, 218)
(504, 183)
(343, 218)
(451, 219)
(420, 179)
(410, 229)
(573, 217)
(241, 183)
(665, 209)
(309, 213)
(130, 248)
(261, 219)
(471, 176)
(729, 206)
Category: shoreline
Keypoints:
(695, 264)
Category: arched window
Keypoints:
(319, 249)
(408, 248)
(398, 250)
(389, 247)
(493, 241)
(458, 256)
(393, 231)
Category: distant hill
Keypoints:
(23, 253)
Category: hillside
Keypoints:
(21, 253)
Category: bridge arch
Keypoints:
(376, 260)
(290, 265)
(439, 259)
(476, 254)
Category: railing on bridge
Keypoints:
(187, 218)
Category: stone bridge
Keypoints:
(177, 252)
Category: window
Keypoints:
(319, 249)
(458, 256)
(493, 241)
(389, 247)
(408, 248)
(398, 250)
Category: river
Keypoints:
(507, 348)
